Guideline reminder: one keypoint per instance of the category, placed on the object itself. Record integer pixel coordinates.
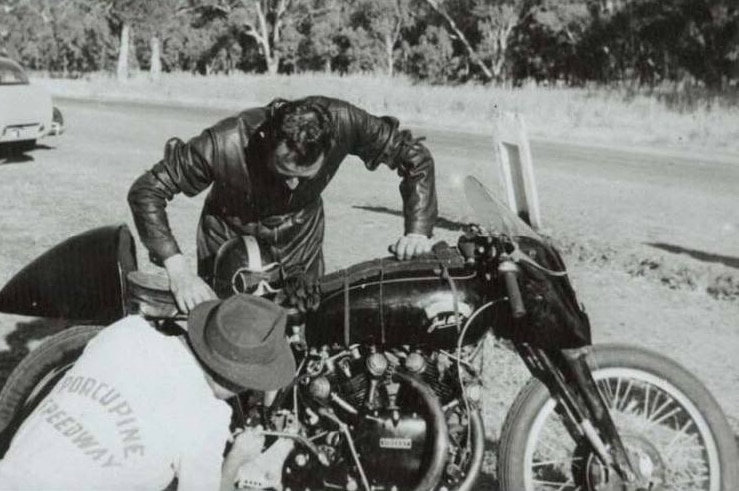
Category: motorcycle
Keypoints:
(388, 390)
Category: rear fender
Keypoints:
(80, 279)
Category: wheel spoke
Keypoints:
(614, 401)
(681, 436)
(646, 401)
(627, 391)
(606, 391)
(655, 404)
(646, 412)
(663, 417)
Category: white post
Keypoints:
(511, 147)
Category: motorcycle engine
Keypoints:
(375, 430)
(392, 446)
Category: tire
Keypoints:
(36, 375)
(57, 122)
(56, 116)
(532, 451)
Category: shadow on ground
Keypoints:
(706, 257)
(441, 222)
(14, 154)
(7, 159)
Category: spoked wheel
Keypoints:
(674, 432)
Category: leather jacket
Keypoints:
(246, 197)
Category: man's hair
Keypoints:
(304, 126)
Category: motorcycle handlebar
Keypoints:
(509, 270)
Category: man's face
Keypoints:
(283, 161)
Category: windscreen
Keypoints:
(492, 213)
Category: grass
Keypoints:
(664, 117)
(721, 283)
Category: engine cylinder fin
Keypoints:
(441, 384)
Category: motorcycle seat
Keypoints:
(149, 295)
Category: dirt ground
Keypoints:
(634, 203)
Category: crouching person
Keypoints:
(140, 409)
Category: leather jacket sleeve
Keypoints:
(186, 168)
(378, 140)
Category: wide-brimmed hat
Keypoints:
(242, 339)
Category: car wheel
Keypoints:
(57, 122)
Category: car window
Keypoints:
(11, 74)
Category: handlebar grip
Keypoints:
(514, 293)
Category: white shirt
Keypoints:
(134, 412)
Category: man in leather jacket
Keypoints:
(267, 167)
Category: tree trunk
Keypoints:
(389, 44)
(122, 70)
(155, 67)
(273, 63)
(499, 58)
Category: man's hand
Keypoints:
(247, 445)
(301, 292)
(188, 288)
(410, 246)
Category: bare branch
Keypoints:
(460, 35)
(252, 33)
(262, 19)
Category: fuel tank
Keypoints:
(80, 279)
(421, 302)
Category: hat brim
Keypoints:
(271, 376)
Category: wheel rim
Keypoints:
(645, 409)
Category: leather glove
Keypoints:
(301, 292)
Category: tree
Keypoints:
(261, 20)
(384, 20)
(124, 15)
(496, 21)
(651, 40)
(439, 7)
(484, 27)
(327, 23)
(545, 45)
(709, 44)
(152, 27)
(432, 58)
(68, 36)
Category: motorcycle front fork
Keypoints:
(569, 379)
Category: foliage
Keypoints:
(69, 37)
(433, 57)
(573, 42)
